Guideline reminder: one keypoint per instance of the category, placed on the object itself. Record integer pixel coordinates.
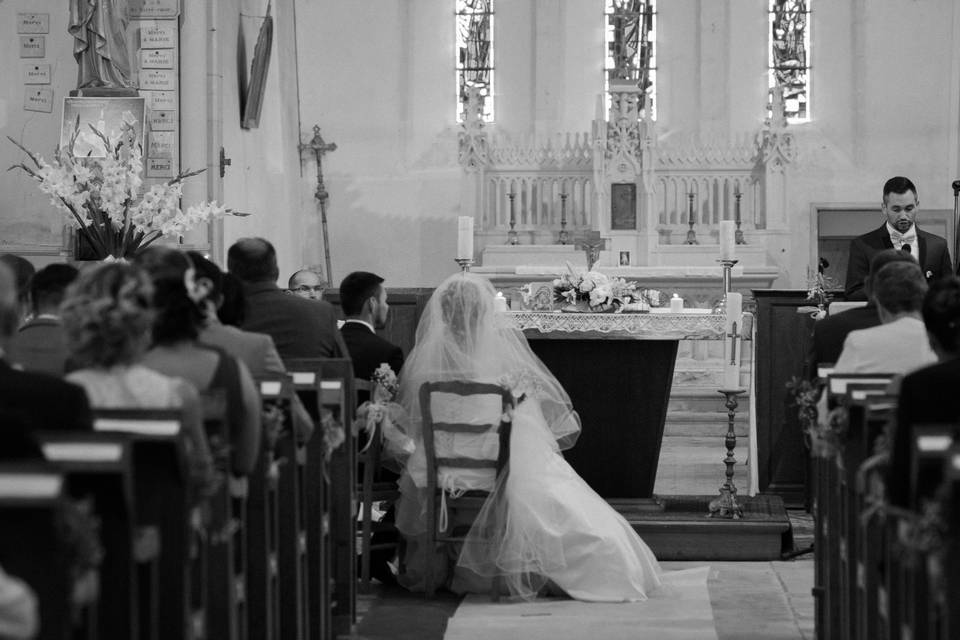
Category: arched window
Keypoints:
(631, 33)
(475, 54)
(790, 56)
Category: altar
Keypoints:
(618, 369)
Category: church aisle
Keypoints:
(748, 600)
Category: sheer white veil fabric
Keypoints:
(461, 338)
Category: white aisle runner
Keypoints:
(680, 610)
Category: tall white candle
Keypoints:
(465, 238)
(727, 242)
(676, 304)
(733, 346)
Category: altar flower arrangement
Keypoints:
(102, 198)
(599, 291)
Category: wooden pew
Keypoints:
(33, 546)
(834, 569)
(99, 465)
(295, 564)
(325, 386)
(263, 524)
(877, 411)
(225, 565)
(163, 502)
(951, 565)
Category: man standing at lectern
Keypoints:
(900, 206)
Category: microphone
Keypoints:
(905, 248)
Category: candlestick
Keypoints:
(512, 234)
(726, 505)
(726, 239)
(727, 266)
(465, 238)
(691, 234)
(465, 263)
(563, 238)
(738, 236)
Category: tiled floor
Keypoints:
(750, 600)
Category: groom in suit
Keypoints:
(364, 302)
(900, 206)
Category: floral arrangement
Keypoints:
(102, 196)
(817, 289)
(598, 290)
(382, 410)
(825, 437)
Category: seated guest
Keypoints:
(899, 344)
(176, 351)
(18, 609)
(230, 311)
(31, 401)
(300, 328)
(829, 333)
(307, 283)
(928, 395)
(363, 299)
(40, 344)
(107, 315)
(255, 350)
(23, 271)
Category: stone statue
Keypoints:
(100, 43)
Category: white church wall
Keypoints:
(29, 224)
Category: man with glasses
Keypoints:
(307, 283)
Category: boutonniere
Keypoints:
(929, 274)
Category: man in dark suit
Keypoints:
(829, 333)
(363, 299)
(40, 345)
(300, 328)
(31, 401)
(900, 206)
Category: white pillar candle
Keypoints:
(676, 304)
(727, 242)
(465, 238)
(733, 347)
(499, 302)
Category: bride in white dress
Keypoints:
(550, 526)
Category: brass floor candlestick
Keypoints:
(465, 264)
(564, 237)
(512, 234)
(727, 265)
(738, 234)
(691, 234)
(726, 506)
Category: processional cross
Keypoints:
(319, 147)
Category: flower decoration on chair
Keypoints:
(102, 196)
(382, 410)
(817, 289)
(593, 290)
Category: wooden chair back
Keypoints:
(436, 427)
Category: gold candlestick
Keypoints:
(726, 506)
(691, 234)
(512, 234)
(563, 238)
(738, 234)
(465, 263)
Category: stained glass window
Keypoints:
(475, 54)
(631, 33)
(790, 55)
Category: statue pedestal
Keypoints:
(104, 92)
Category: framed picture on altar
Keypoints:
(624, 259)
(623, 206)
